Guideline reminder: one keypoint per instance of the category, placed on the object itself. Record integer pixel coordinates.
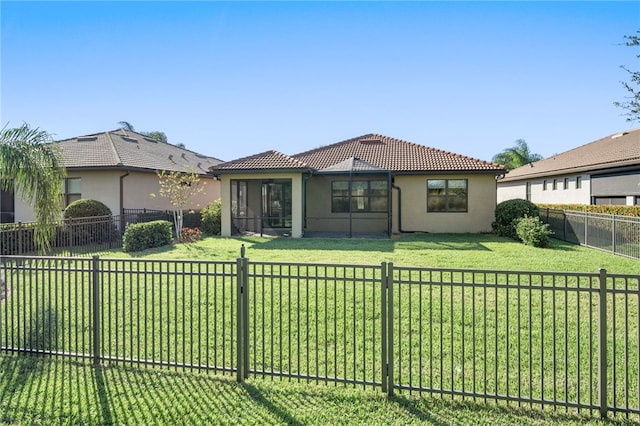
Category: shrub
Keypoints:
(86, 208)
(533, 232)
(212, 218)
(79, 230)
(141, 236)
(190, 235)
(507, 214)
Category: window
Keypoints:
(71, 190)
(447, 195)
(544, 185)
(565, 183)
(578, 182)
(528, 191)
(365, 196)
(555, 184)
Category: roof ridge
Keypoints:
(289, 157)
(334, 144)
(113, 148)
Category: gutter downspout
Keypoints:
(402, 231)
(122, 221)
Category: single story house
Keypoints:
(606, 171)
(371, 184)
(119, 168)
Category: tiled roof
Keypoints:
(394, 155)
(383, 152)
(265, 160)
(352, 165)
(618, 150)
(130, 150)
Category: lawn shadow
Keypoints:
(297, 244)
(428, 409)
(18, 372)
(258, 396)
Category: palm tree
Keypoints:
(126, 126)
(516, 156)
(31, 166)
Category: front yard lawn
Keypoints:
(476, 251)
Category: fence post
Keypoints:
(602, 344)
(390, 328)
(245, 310)
(241, 337)
(20, 236)
(383, 325)
(96, 310)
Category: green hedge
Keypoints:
(141, 236)
(604, 209)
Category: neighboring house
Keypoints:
(371, 184)
(120, 169)
(606, 171)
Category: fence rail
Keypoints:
(541, 339)
(613, 233)
(84, 236)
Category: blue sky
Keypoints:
(235, 79)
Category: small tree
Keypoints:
(178, 187)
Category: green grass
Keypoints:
(479, 251)
(114, 393)
(37, 390)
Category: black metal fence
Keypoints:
(84, 236)
(561, 340)
(613, 233)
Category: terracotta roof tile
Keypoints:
(377, 150)
(618, 150)
(265, 160)
(130, 150)
(394, 155)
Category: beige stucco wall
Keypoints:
(296, 198)
(104, 186)
(572, 195)
(478, 218)
(139, 186)
(23, 210)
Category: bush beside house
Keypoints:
(212, 218)
(533, 232)
(507, 214)
(141, 236)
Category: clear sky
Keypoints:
(239, 78)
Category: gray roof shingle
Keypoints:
(617, 150)
(130, 150)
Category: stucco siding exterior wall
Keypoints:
(138, 188)
(481, 204)
(510, 191)
(103, 186)
(23, 210)
(539, 195)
